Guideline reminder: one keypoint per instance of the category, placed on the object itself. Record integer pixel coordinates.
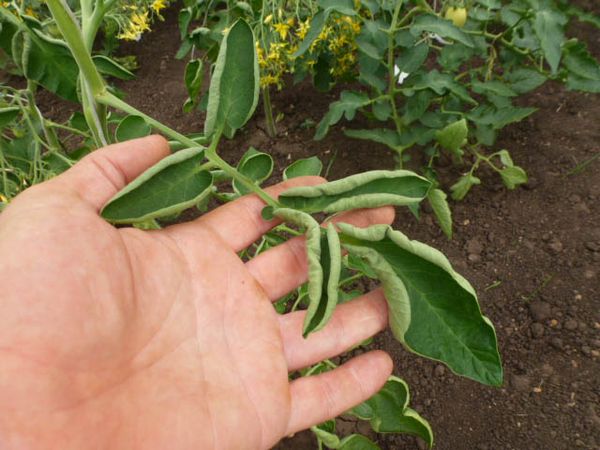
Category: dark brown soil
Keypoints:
(533, 255)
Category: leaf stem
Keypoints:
(212, 156)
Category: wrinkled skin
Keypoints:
(124, 339)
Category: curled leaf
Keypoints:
(324, 268)
(445, 322)
(365, 190)
(170, 186)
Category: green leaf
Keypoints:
(412, 58)
(365, 190)
(442, 27)
(453, 136)
(184, 19)
(505, 158)
(383, 136)
(440, 83)
(498, 118)
(433, 310)
(8, 114)
(463, 186)
(548, 26)
(357, 442)
(194, 75)
(382, 110)
(441, 209)
(170, 186)
(329, 439)
(320, 269)
(108, 66)
(316, 26)
(255, 165)
(584, 70)
(417, 105)
(319, 313)
(233, 92)
(388, 412)
(42, 59)
(512, 176)
(303, 167)
(522, 80)
(132, 127)
(346, 107)
(493, 87)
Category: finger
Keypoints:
(282, 269)
(240, 222)
(351, 323)
(318, 398)
(103, 173)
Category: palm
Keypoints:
(165, 338)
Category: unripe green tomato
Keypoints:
(458, 16)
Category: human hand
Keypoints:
(122, 338)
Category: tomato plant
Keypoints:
(439, 319)
(434, 79)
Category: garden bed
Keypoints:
(533, 255)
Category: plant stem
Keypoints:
(391, 67)
(271, 130)
(212, 156)
(92, 83)
(66, 22)
(106, 98)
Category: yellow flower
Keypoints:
(3, 199)
(140, 21)
(129, 35)
(4, 5)
(302, 29)
(282, 29)
(268, 19)
(30, 12)
(157, 5)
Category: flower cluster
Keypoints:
(336, 43)
(138, 17)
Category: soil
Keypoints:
(533, 254)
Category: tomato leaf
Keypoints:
(433, 310)
(388, 412)
(255, 165)
(132, 127)
(168, 187)
(443, 28)
(233, 92)
(365, 190)
(439, 204)
(108, 66)
(303, 167)
(453, 136)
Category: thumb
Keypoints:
(103, 173)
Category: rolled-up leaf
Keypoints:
(388, 412)
(433, 310)
(320, 312)
(170, 186)
(365, 190)
(233, 91)
(324, 268)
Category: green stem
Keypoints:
(91, 81)
(271, 130)
(65, 20)
(106, 98)
(391, 66)
(212, 156)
